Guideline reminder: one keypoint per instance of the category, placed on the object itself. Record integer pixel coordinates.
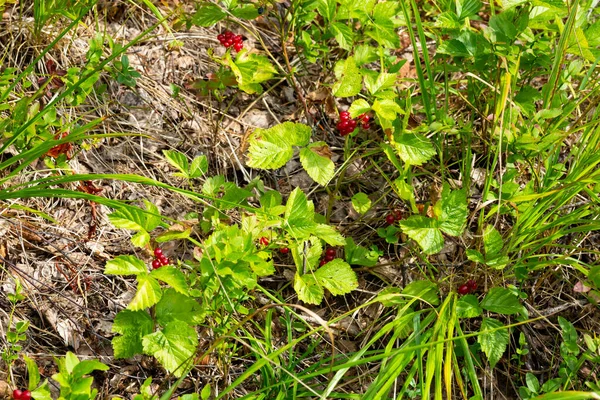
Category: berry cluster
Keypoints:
(393, 217)
(468, 287)
(19, 394)
(346, 125)
(364, 119)
(160, 260)
(229, 39)
(329, 256)
(264, 241)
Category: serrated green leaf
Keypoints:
(245, 12)
(358, 107)
(387, 109)
(148, 293)
(382, 82)
(493, 243)
(454, 211)
(207, 15)
(502, 301)
(125, 265)
(319, 167)
(272, 148)
(468, 307)
(175, 306)
(337, 277)
(326, 8)
(413, 148)
(328, 234)
(493, 344)
(173, 235)
(474, 255)
(140, 239)
(384, 23)
(349, 80)
(343, 35)
(135, 218)
(361, 202)
(86, 367)
(358, 255)
(132, 325)
(199, 167)
(171, 276)
(308, 290)
(173, 347)
(298, 208)
(467, 8)
(178, 160)
(425, 231)
(311, 249)
(250, 69)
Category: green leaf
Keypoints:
(272, 148)
(502, 301)
(384, 24)
(358, 255)
(136, 219)
(532, 382)
(358, 107)
(307, 288)
(298, 209)
(245, 12)
(33, 372)
(172, 276)
(179, 161)
(468, 307)
(173, 235)
(326, 8)
(125, 265)
(329, 235)
(349, 80)
(199, 166)
(384, 81)
(174, 346)
(387, 109)
(425, 231)
(454, 211)
(424, 290)
(207, 15)
(343, 34)
(361, 202)
(132, 325)
(148, 293)
(250, 69)
(316, 160)
(413, 148)
(337, 277)
(493, 243)
(174, 306)
(467, 8)
(493, 344)
(85, 367)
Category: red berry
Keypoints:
(389, 219)
(366, 126)
(365, 118)
(238, 46)
(26, 395)
(220, 37)
(397, 215)
(156, 264)
(472, 285)
(264, 241)
(238, 38)
(284, 250)
(157, 252)
(344, 115)
(17, 393)
(323, 262)
(330, 252)
(329, 258)
(463, 289)
(227, 43)
(164, 261)
(352, 123)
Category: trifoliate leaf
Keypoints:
(125, 265)
(425, 231)
(413, 148)
(361, 202)
(316, 160)
(272, 148)
(493, 344)
(349, 80)
(337, 277)
(148, 293)
(501, 301)
(173, 347)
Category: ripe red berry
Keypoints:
(344, 115)
(397, 215)
(329, 257)
(284, 250)
(238, 46)
(156, 264)
(157, 252)
(220, 37)
(330, 252)
(463, 289)
(365, 118)
(390, 219)
(264, 241)
(26, 395)
(323, 262)
(366, 126)
(238, 39)
(352, 123)
(472, 285)
(164, 261)
(227, 42)
(17, 393)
